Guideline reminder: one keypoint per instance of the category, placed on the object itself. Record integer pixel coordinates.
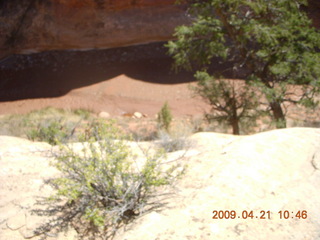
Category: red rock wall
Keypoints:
(114, 4)
(313, 10)
(33, 25)
(37, 25)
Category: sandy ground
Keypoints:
(118, 81)
(118, 96)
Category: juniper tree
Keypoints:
(272, 43)
(231, 101)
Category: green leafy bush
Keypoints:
(165, 117)
(52, 131)
(85, 114)
(48, 124)
(103, 186)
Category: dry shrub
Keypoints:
(101, 187)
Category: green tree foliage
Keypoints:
(232, 102)
(165, 117)
(272, 43)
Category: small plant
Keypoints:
(35, 125)
(144, 134)
(52, 131)
(165, 117)
(83, 113)
(170, 144)
(102, 186)
(177, 139)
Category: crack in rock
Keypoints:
(315, 161)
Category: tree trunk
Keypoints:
(278, 115)
(234, 121)
(235, 126)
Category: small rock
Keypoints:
(104, 115)
(137, 115)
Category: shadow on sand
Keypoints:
(55, 73)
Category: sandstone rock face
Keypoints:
(313, 10)
(271, 171)
(30, 26)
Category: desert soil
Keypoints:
(118, 81)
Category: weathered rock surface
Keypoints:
(271, 171)
(24, 166)
(29, 26)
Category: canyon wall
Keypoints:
(28, 26)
